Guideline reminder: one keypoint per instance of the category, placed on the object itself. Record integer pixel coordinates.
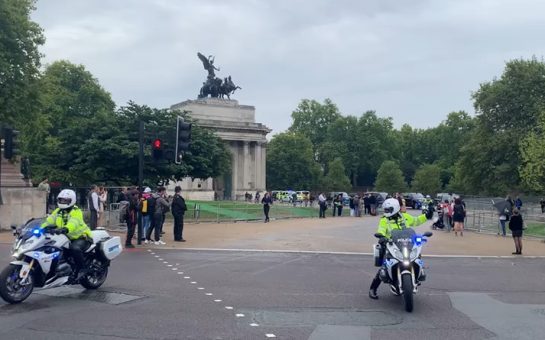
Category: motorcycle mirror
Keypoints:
(428, 234)
(377, 235)
(13, 227)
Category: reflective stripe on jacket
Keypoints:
(72, 220)
(386, 225)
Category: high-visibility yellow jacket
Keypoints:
(71, 220)
(386, 225)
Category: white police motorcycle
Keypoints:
(402, 267)
(42, 260)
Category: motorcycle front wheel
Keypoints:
(407, 285)
(96, 275)
(11, 288)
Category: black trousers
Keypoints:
(376, 281)
(94, 220)
(130, 232)
(156, 225)
(178, 226)
(322, 210)
(77, 249)
(266, 209)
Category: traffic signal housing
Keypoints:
(11, 143)
(157, 149)
(183, 139)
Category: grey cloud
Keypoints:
(412, 60)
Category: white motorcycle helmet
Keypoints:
(428, 196)
(66, 199)
(390, 207)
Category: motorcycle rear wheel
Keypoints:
(96, 276)
(407, 285)
(11, 289)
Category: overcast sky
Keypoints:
(413, 60)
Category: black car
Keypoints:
(413, 200)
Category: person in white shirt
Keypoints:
(93, 202)
(322, 201)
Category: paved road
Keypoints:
(165, 294)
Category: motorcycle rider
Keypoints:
(68, 219)
(393, 219)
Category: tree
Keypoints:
(312, 120)
(532, 168)
(508, 109)
(19, 61)
(427, 179)
(390, 178)
(290, 163)
(336, 179)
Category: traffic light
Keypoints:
(157, 149)
(183, 139)
(10, 143)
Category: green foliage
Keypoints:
(290, 163)
(20, 38)
(427, 179)
(312, 120)
(336, 179)
(532, 168)
(81, 139)
(390, 178)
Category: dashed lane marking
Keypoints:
(228, 307)
(254, 324)
(239, 315)
(270, 335)
(200, 288)
(217, 300)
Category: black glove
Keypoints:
(382, 240)
(59, 231)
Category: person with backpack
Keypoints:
(178, 210)
(146, 207)
(161, 207)
(458, 217)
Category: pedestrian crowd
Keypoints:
(143, 210)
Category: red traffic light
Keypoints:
(157, 144)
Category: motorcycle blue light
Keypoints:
(36, 231)
(418, 240)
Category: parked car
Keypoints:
(413, 200)
(303, 195)
(333, 194)
(381, 196)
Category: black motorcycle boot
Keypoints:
(373, 294)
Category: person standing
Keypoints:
(93, 202)
(518, 203)
(122, 196)
(102, 197)
(516, 225)
(322, 202)
(44, 186)
(373, 205)
(257, 197)
(178, 211)
(458, 217)
(161, 207)
(366, 205)
(267, 202)
(146, 208)
(338, 205)
(542, 204)
(356, 203)
(131, 217)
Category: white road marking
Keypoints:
(228, 307)
(187, 277)
(355, 253)
(156, 255)
(180, 273)
(254, 324)
(270, 335)
(193, 282)
(217, 300)
(165, 262)
(169, 265)
(174, 268)
(149, 249)
(209, 294)
(200, 288)
(239, 315)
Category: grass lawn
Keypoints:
(232, 211)
(535, 229)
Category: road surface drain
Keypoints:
(90, 295)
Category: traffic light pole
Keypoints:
(141, 155)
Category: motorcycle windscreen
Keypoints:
(404, 237)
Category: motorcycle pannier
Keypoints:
(111, 248)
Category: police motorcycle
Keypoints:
(402, 267)
(42, 260)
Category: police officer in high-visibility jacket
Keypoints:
(393, 219)
(68, 219)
